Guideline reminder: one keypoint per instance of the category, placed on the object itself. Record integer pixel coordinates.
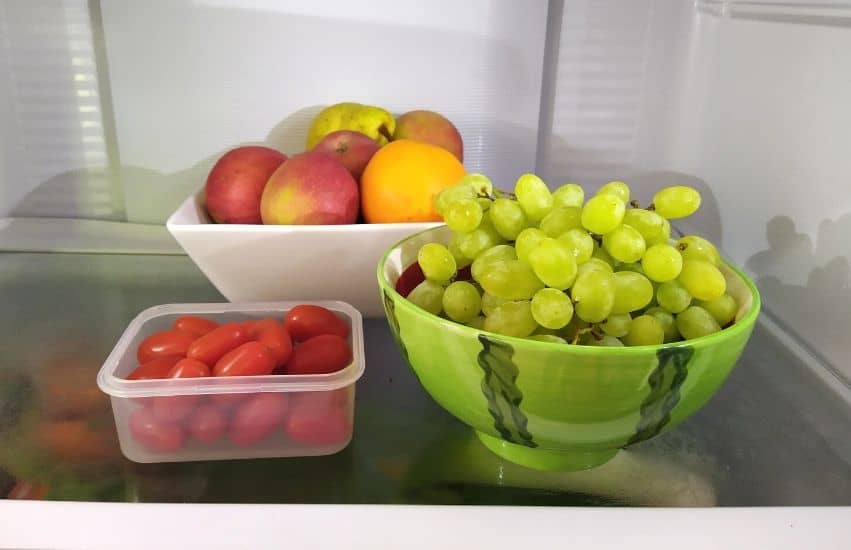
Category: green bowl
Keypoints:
(553, 406)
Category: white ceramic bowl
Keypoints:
(255, 263)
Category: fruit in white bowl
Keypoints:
(352, 149)
(235, 184)
(310, 189)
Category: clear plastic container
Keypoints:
(254, 416)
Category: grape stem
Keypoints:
(579, 333)
(634, 203)
(651, 207)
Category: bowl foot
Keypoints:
(543, 459)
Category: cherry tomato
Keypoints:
(333, 398)
(155, 434)
(155, 368)
(212, 346)
(173, 408)
(166, 342)
(194, 325)
(312, 423)
(207, 424)
(320, 355)
(226, 401)
(257, 418)
(256, 325)
(249, 359)
(306, 321)
(275, 337)
(189, 368)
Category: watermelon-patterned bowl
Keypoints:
(554, 406)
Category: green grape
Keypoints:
(594, 263)
(580, 243)
(703, 280)
(617, 324)
(475, 242)
(561, 219)
(569, 194)
(477, 322)
(692, 247)
(550, 338)
(635, 267)
(553, 263)
(460, 259)
(512, 319)
(551, 308)
(452, 194)
(677, 201)
(601, 254)
(616, 188)
(602, 214)
(624, 243)
(527, 240)
(665, 237)
(491, 302)
(463, 216)
(662, 262)
(479, 182)
(669, 324)
(632, 292)
(498, 252)
(723, 309)
(593, 295)
(461, 301)
(437, 262)
(695, 322)
(534, 196)
(650, 224)
(428, 295)
(510, 280)
(508, 218)
(606, 341)
(673, 296)
(645, 330)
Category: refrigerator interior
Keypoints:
(113, 111)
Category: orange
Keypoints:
(401, 180)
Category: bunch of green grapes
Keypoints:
(554, 267)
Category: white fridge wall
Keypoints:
(191, 79)
(746, 101)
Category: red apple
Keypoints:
(352, 149)
(236, 183)
(311, 188)
(430, 127)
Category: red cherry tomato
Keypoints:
(207, 424)
(166, 342)
(333, 398)
(249, 359)
(212, 346)
(306, 321)
(313, 423)
(320, 355)
(194, 325)
(257, 418)
(189, 368)
(275, 337)
(226, 401)
(173, 408)
(155, 368)
(256, 325)
(155, 434)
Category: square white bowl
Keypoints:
(256, 263)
